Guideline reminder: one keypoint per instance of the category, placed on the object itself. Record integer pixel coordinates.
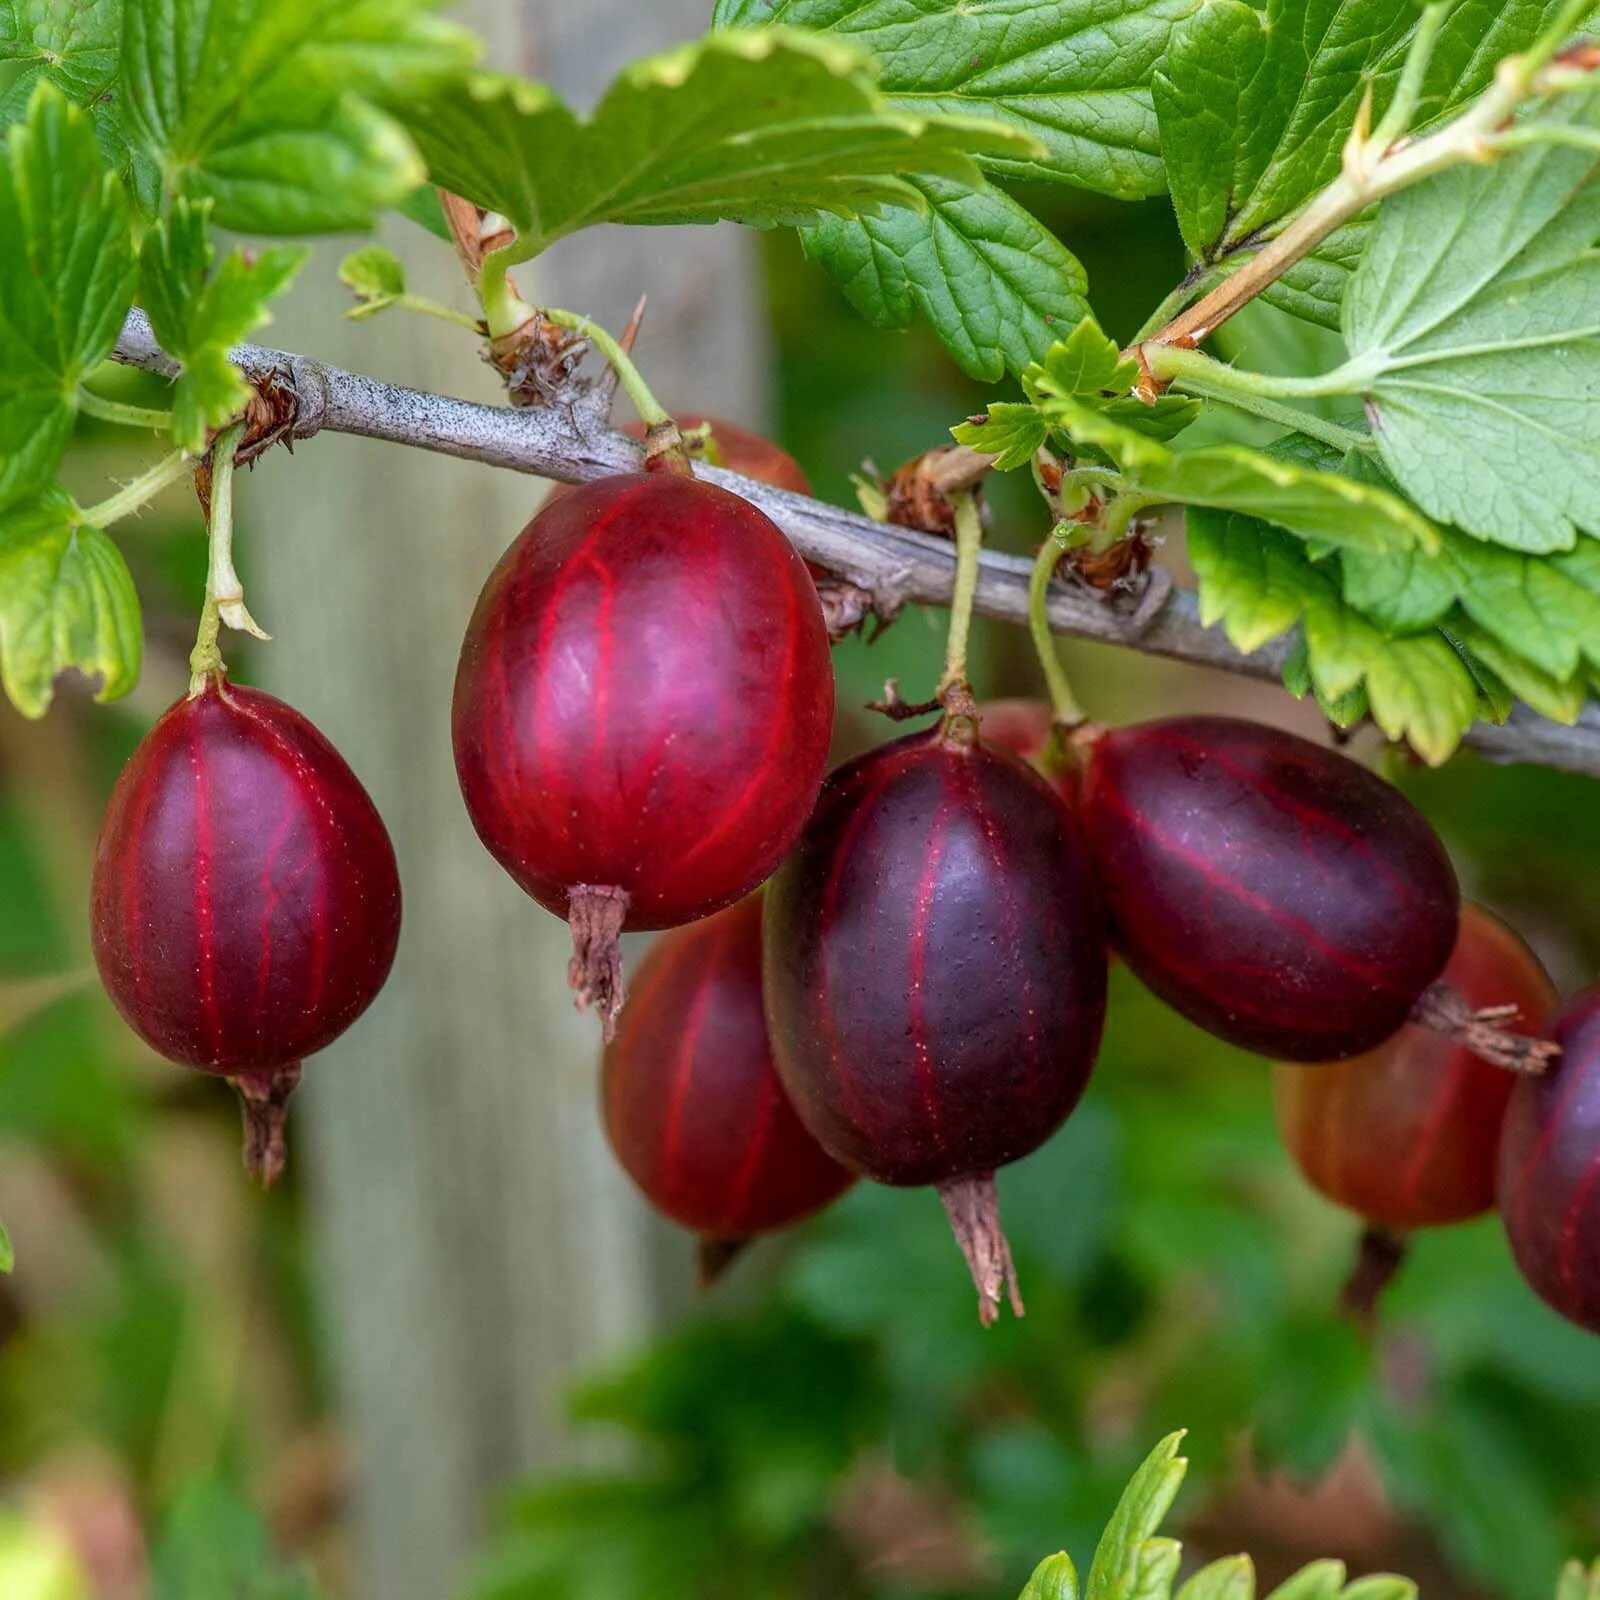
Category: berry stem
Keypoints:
(973, 1206)
(138, 494)
(94, 405)
(645, 403)
(1380, 1254)
(969, 543)
(714, 1254)
(1485, 1032)
(264, 1100)
(224, 600)
(596, 914)
(1068, 713)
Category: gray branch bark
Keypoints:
(572, 443)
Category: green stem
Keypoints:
(94, 405)
(205, 660)
(1185, 294)
(504, 309)
(1261, 392)
(1408, 92)
(1068, 713)
(969, 542)
(645, 403)
(432, 308)
(167, 471)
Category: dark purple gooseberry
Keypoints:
(246, 903)
(1275, 892)
(1549, 1183)
(692, 1103)
(936, 974)
(642, 709)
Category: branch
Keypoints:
(572, 442)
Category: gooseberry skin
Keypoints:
(644, 699)
(1273, 891)
(935, 963)
(1406, 1135)
(1549, 1177)
(1027, 728)
(245, 907)
(691, 1100)
(246, 901)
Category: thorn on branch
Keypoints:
(899, 710)
(606, 389)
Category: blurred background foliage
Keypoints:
(830, 1420)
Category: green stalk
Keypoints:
(1260, 393)
(94, 405)
(645, 403)
(222, 582)
(1068, 713)
(969, 542)
(138, 494)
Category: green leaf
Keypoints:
(1082, 366)
(66, 600)
(1578, 1582)
(1474, 331)
(1231, 1578)
(1254, 107)
(1381, 1586)
(72, 43)
(1495, 699)
(1257, 582)
(199, 316)
(423, 207)
(1130, 1559)
(1309, 501)
(8, 1260)
(762, 127)
(988, 277)
(1074, 75)
(271, 108)
(1055, 1578)
(1319, 1580)
(1546, 609)
(214, 1544)
(66, 281)
(1560, 699)
(1011, 433)
(377, 278)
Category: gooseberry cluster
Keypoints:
(641, 725)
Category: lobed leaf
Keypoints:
(1011, 433)
(1231, 1578)
(1130, 1560)
(1254, 107)
(1306, 499)
(66, 282)
(199, 316)
(1073, 75)
(1055, 1578)
(762, 127)
(66, 600)
(986, 275)
(272, 109)
(1473, 325)
(1257, 582)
